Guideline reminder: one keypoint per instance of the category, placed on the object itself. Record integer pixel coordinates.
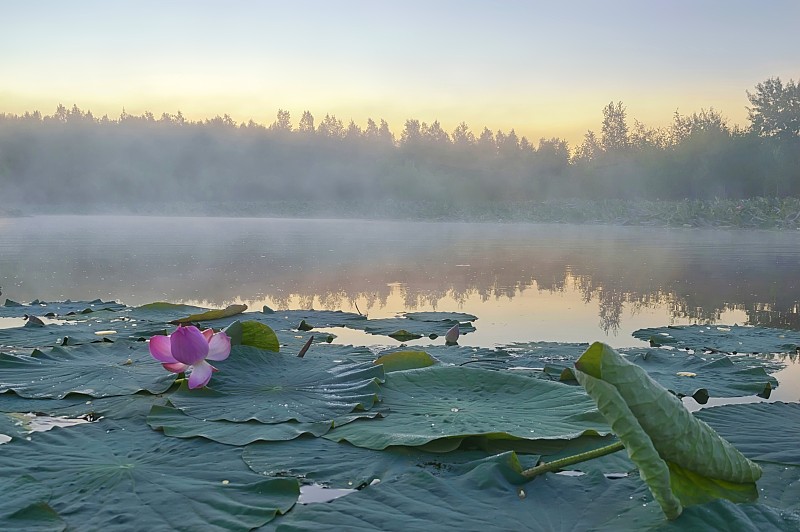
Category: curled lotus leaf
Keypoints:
(682, 459)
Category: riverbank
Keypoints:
(753, 213)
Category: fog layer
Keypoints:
(72, 161)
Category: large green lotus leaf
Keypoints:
(488, 495)
(98, 370)
(108, 475)
(175, 423)
(272, 388)
(681, 458)
(719, 375)
(84, 406)
(778, 508)
(454, 402)
(729, 339)
(24, 506)
(341, 465)
(762, 431)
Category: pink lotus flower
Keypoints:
(189, 348)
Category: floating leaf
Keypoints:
(175, 423)
(344, 465)
(258, 335)
(727, 339)
(402, 360)
(164, 312)
(82, 406)
(681, 458)
(486, 495)
(414, 326)
(109, 475)
(227, 312)
(719, 375)
(272, 388)
(762, 431)
(25, 506)
(403, 335)
(98, 370)
(442, 402)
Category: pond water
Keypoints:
(525, 282)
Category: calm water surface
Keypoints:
(524, 282)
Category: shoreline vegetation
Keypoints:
(700, 171)
(752, 213)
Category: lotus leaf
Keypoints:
(110, 475)
(98, 370)
(210, 315)
(455, 402)
(10, 426)
(402, 360)
(414, 328)
(487, 495)
(27, 508)
(342, 465)
(272, 388)
(728, 339)
(719, 375)
(58, 308)
(681, 458)
(259, 335)
(161, 311)
(764, 431)
(50, 335)
(175, 423)
(778, 509)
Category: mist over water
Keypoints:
(526, 282)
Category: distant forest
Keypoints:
(74, 161)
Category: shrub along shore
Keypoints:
(753, 213)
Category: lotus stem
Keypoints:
(561, 463)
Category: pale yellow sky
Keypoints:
(543, 68)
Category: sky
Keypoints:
(543, 68)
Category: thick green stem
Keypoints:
(556, 465)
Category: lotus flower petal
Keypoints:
(451, 336)
(208, 334)
(219, 347)
(201, 374)
(160, 349)
(188, 345)
(176, 367)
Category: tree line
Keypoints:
(73, 158)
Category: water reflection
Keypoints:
(613, 278)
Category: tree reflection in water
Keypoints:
(383, 266)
